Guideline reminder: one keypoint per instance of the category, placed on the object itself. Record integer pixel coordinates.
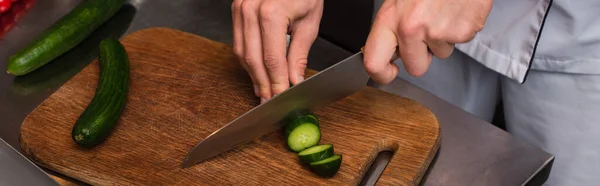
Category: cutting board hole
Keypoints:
(381, 161)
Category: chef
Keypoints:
(539, 58)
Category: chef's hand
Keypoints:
(259, 40)
(418, 28)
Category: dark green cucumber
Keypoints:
(316, 153)
(303, 132)
(327, 167)
(63, 35)
(104, 110)
(306, 118)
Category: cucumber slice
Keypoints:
(303, 135)
(311, 118)
(327, 167)
(307, 118)
(316, 153)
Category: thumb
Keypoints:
(302, 37)
(378, 51)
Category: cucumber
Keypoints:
(63, 35)
(306, 118)
(316, 153)
(303, 135)
(104, 110)
(70, 63)
(311, 118)
(327, 167)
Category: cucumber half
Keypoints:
(310, 118)
(307, 118)
(316, 153)
(303, 135)
(327, 167)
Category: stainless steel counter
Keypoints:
(18, 170)
(473, 152)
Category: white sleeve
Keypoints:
(508, 42)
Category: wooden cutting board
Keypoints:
(184, 87)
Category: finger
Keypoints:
(238, 39)
(238, 34)
(255, 86)
(303, 36)
(415, 55)
(274, 28)
(440, 49)
(253, 48)
(378, 51)
(254, 82)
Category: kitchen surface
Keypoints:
(471, 151)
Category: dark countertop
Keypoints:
(472, 152)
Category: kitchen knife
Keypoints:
(325, 87)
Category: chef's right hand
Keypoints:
(259, 41)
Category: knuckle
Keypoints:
(235, 6)
(410, 28)
(301, 63)
(435, 34)
(271, 61)
(468, 33)
(248, 7)
(269, 11)
(465, 36)
(371, 66)
(250, 61)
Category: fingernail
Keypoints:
(300, 78)
(262, 100)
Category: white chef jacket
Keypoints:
(558, 36)
(555, 44)
(562, 35)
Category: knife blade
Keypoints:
(325, 87)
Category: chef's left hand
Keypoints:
(419, 30)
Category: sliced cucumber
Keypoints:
(303, 135)
(316, 153)
(308, 118)
(327, 167)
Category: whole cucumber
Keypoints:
(63, 35)
(100, 117)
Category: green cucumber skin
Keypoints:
(328, 169)
(100, 117)
(63, 35)
(310, 118)
(317, 156)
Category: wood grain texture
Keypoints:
(184, 87)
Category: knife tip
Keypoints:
(185, 164)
